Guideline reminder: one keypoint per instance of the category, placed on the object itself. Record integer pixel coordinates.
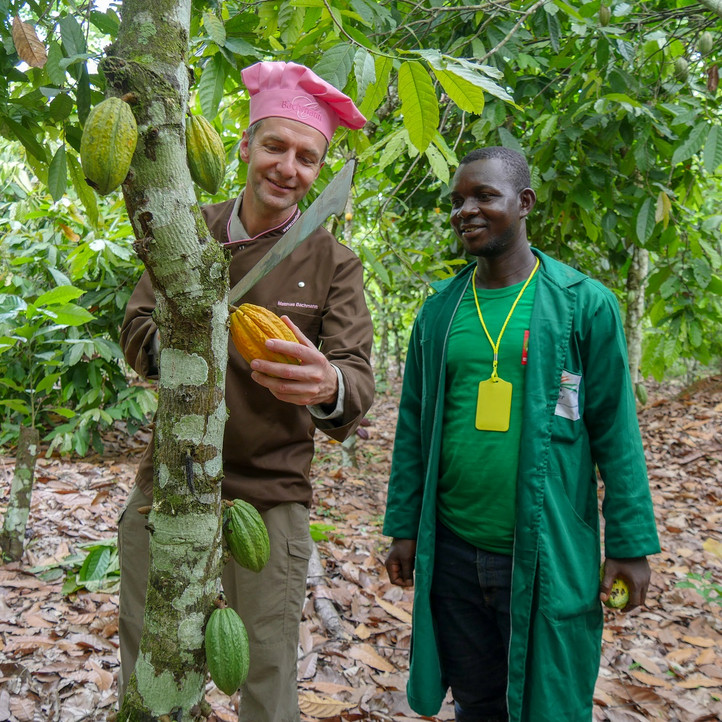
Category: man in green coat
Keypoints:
(516, 391)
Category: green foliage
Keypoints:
(704, 586)
(319, 531)
(64, 291)
(94, 569)
(625, 148)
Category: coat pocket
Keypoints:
(308, 320)
(569, 558)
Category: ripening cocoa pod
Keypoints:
(619, 593)
(107, 144)
(605, 15)
(252, 326)
(705, 42)
(246, 535)
(205, 154)
(227, 650)
(681, 69)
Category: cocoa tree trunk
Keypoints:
(381, 330)
(189, 273)
(12, 537)
(636, 286)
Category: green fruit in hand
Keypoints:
(619, 594)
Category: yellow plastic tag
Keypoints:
(493, 405)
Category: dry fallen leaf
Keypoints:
(708, 656)
(649, 679)
(641, 658)
(362, 631)
(321, 707)
(698, 680)
(699, 641)
(400, 614)
(712, 546)
(368, 655)
(680, 656)
(64, 515)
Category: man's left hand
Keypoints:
(312, 383)
(635, 572)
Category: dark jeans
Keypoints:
(470, 597)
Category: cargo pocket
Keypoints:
(569, 558)
(299, 552)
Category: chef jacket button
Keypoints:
(301, 284)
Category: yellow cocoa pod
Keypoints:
(618, 594)
(107, 145)
(205, 154)
(251, 326)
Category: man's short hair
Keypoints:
(516, 165)
(251, 133)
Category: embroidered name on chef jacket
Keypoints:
(568, 401)
(296, 304)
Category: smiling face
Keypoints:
(284, 158)
(487, 210)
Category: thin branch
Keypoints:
(510, 34)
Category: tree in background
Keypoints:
(616, 107)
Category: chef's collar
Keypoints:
(237, 234)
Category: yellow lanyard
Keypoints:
(495, 346)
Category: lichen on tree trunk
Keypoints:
(12, 537)
(189, 273)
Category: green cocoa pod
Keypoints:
(205, 154)
(619, 593)
(605, 15)
(641, 391)
(681, 69)
(107, 144)
(705, 42)
(227, 652)
(246, 535)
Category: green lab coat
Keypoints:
(556, 614)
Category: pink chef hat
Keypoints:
(289, 90)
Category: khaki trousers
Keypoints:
(269, 603)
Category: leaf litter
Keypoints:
(59, 652)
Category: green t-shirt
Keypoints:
(477, 484)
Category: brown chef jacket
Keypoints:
(268, 444)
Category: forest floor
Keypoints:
(58, 652)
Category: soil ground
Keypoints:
(58, 653)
